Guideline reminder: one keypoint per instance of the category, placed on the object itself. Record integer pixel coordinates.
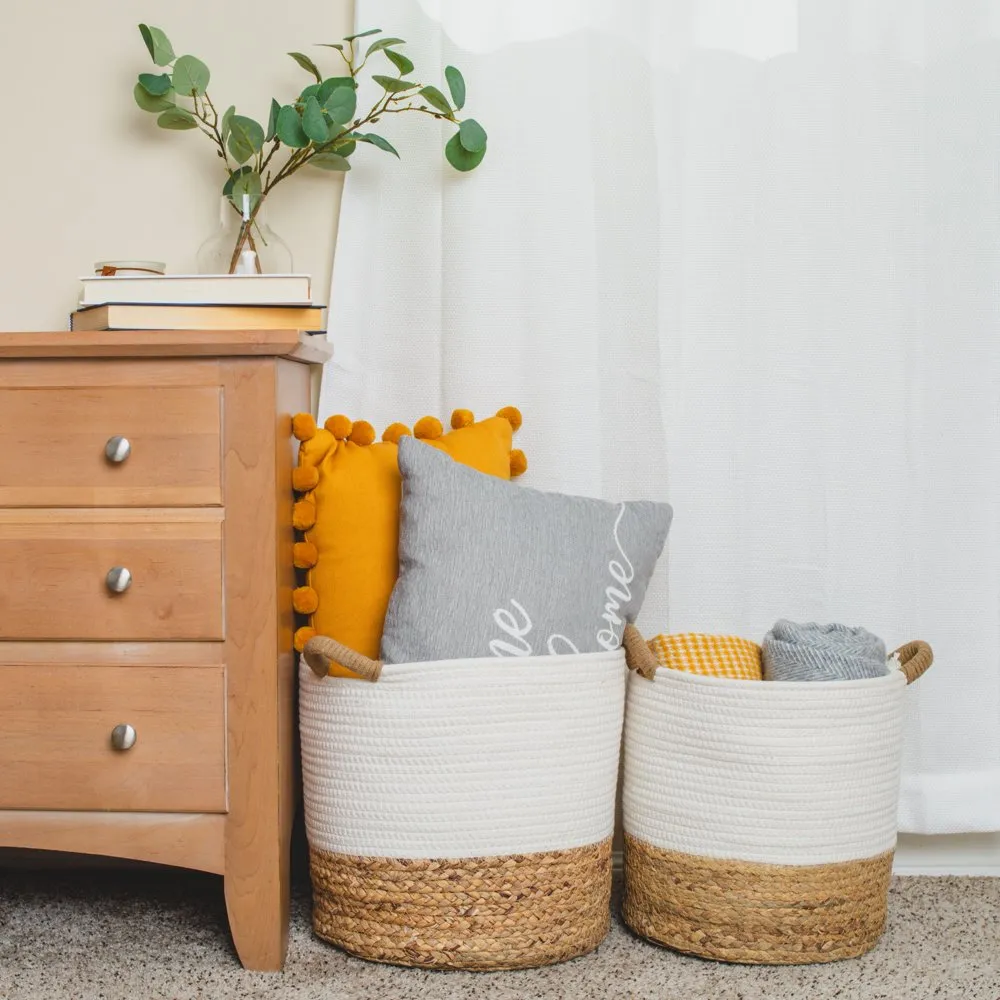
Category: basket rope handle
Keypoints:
(320, 650)
(638, 655)
(914, 659)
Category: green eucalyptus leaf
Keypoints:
(272, 120)
(332, 45)
(158, 45)
(383, 43)
(177, 118)
(392, 85)
(227, 188)
(311, 91)
(332, 83)
(329, 161)
(375, 140)
(456, 84)
(307, 64)
(227, 121)
(190, 76)
(343, 148)
(362, 34)
(436, 99)
(459, 157)
(246, 182)
(148, 102)
(246, 137)
(341, 104)
(289, 128)
(157, 85)
(472, 136)
(313, 122)
(400, 61)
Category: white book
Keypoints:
(197, 289)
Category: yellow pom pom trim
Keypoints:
(303, 426)
(305, 478)
(305, 600)
(394, 432)
(362, 433)
(302, 636)
(339, 426)
(462, 418)
(518, 463)
(303, 515)
(428, 428)
(512, 414)
(304, 555)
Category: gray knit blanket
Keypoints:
(811, 652)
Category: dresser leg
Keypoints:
(260, 664)
(257, 902)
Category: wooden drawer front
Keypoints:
(55, 738)
(52, 446)
(55, 563)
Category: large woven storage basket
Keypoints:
(459, 813)
(760, 817)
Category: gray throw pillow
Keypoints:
(490, 568)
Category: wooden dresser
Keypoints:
(146, 665)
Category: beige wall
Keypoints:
(86, 175)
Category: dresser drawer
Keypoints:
(56, 726)
(53, 446)
(55, 566)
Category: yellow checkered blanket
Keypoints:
(709, 655)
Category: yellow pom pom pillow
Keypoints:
(349, 514)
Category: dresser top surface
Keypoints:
(167, 344)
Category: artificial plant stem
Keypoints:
(245, 236)
(212, 127)
(267, 159)
(289, 167)
(426, 111)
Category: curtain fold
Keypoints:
(743, 262)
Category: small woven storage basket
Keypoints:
(760, 818)
(459, 813)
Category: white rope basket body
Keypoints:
(463, 758)
(779, 773)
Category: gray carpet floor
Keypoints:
(144, 934)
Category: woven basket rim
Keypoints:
(567, 660)
(818, 689)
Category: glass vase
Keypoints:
(244, 243)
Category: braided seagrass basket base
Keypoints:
(510, 912)
(737, 911)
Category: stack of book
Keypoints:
(198, 302)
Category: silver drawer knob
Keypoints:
(119, 579)
(123, 737)
(117, 449)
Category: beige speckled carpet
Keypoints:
(144, 934)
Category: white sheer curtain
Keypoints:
(739, 256)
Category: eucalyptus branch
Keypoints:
(210, 127)
(215, 114)
(292, 164)
(319, 127)
(425, 111)
(267, 159)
